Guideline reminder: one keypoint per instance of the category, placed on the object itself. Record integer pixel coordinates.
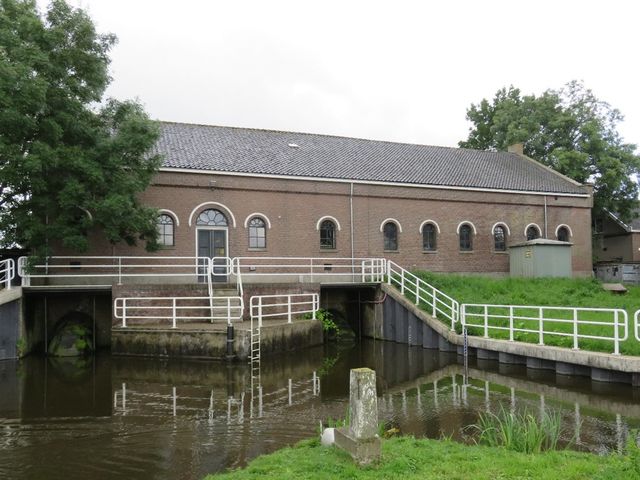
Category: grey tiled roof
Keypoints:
(265, 152)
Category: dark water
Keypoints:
(115, 417)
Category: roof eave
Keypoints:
(371, 182)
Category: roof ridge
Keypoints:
(327, 135)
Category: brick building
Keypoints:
(242, 192)
(615, 240)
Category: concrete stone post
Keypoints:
(360, 438)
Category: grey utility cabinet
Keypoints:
(540, 258)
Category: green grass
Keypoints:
(564, 292)
(409, 458)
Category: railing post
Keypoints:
(228, 310)
(288, 308)
(417, 291)
(174, 312)
(433, 302)
(389, 273)
(454, 311)
(486, 321)
(575, 329)
(311, 268)
(511, 323)
(124, 312)
(259, 312)
(541, 326)
(402, 281)
(119, 270)
(315, 301)
(616, 341)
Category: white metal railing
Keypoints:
(636, 325)
(283, 306)
(114, 267)
(439, 303)
(176, 309)
(575, 322)
(365, 270)
(7, 273)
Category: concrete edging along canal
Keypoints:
(599, 366)
(211, 343)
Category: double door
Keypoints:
(212, 243)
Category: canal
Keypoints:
(123, 417)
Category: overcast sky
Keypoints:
(395, 70)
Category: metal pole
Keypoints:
(511, 323)
(616, 341)
(575, 329)
(174, 312)
(541, 327)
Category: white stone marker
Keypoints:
(360, 438)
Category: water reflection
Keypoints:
(113, 417)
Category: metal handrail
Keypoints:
(636, 325)
(508, 314)
(7, 272)
(295, 303)
(363, 268)
(119, 267)
(439, 302)
(124, 308)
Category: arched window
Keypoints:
(466, 238)
(212, 218)
(532, 232)
(563, 234)
(499, 239)
(328, 234)
(429, 240)
(390, 230)
(166, 233)
(257, 233)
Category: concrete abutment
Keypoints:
(403, 322)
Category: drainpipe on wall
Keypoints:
(545, 217)
(351, 225)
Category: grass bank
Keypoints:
(565, 292)
(409, 458)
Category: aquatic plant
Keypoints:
(521, 432)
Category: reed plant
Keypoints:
(520, 431)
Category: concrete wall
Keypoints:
(212, 345)
(294, 207)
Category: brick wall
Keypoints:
(294, 207)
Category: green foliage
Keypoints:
(520, 432)
(67, 165)
(569, 130)
(326, 318)
(81, 345)
(409, 458)
(21, 347)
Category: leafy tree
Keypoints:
(569, 130)
(69, 163)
